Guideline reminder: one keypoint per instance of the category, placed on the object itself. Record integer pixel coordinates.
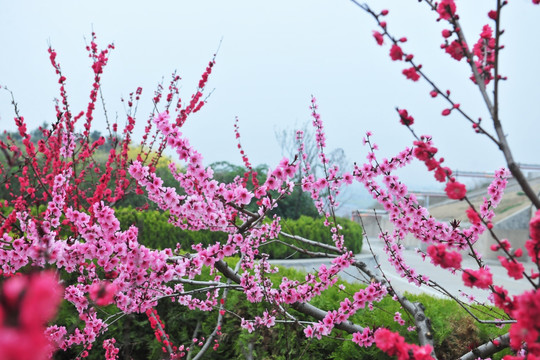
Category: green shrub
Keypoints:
(454, 330)
(314, 229)
(156, 232)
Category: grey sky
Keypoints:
(273, 57)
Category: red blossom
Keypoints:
(515, 269)
(533, 249)
(487, 32)
(394, 344)
(455, 190)
(455, 50)
(396, 53)
(502, 299)
(527, 328)
(405, 118)
(484, 52)
(441, 173)
(390, 342)
(446, 259)
(481, 278)
(378, 37)
(432, 164)
(533, 244)
(473, 216)
(446, 9)
(534, 227)
(446, 33)
(424, 150)
(411, 74)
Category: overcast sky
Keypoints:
(274, 55)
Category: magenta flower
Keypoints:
(446, 9)
(378, 37)
(455, 190)
(411, 74)
(396, 53)
(481, 278)
(446, 259)
(102, 293)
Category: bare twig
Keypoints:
(195, 334)
(217, 328)
(416, 310)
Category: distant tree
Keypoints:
(289, 148)
(294, 206)
(291, 207)
(227, 172)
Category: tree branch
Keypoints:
(488, 349)
(304, 308)
(219, 322)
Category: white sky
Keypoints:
(274, 55)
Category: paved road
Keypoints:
(451, 282)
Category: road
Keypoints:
(451, 282)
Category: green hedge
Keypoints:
(156, 232)
(454, 330)
(314, 229)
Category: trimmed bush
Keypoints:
(156, 232)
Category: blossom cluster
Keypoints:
(27, 303)
(111, 351)
(347, 308)
(394, 345)
(396, 52)
(78, 231)
(136, 277)
(161, 335)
